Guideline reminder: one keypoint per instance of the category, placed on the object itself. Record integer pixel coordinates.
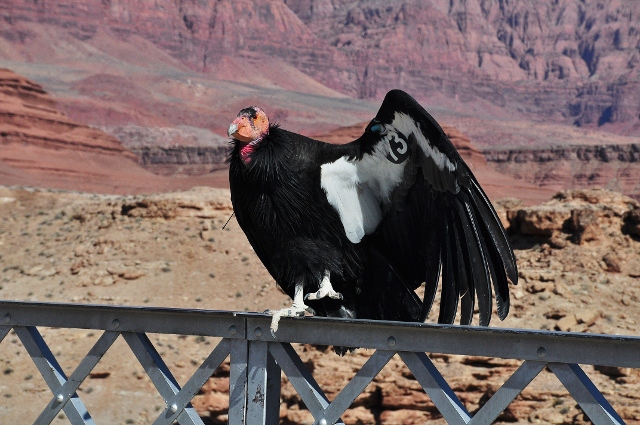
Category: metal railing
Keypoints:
(257, 359)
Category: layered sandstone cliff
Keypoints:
(568, 60)
(29, 116)
(614, 167)
(40, 146)
(565, 60)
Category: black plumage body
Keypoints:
(297, 234)
(425, 218)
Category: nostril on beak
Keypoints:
(232, 129)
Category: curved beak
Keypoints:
(233, 128)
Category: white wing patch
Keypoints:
(354, 201)
(404, 124)
(357, 189)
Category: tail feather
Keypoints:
(385, 295)
(498, 254)
(459, 261)
(500, 284)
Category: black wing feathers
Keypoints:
(465, 278)
(450, 276)
(433, 263)
(466, 242)
(495, 229)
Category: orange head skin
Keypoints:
(251, 125)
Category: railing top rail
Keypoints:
(124, 318)
(550, 346)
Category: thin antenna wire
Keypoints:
(225, 224)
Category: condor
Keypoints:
(353, 230)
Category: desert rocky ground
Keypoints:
(578, 263)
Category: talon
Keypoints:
(296, 310)
(274, 324)
(325, 290)
(323, 294)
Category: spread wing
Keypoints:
(407, 191)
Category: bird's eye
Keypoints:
(377, 128)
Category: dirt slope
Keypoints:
(576, 256)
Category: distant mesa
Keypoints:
(42, 147)
(30, 118)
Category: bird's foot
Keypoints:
(323, 292)
(296, 310)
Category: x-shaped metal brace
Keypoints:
(64, 389)
(178, 399)
(256, 365)
(443, 397)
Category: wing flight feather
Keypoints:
(462, 241)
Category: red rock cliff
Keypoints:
(28, 116)
(566, 60)
(40, 146)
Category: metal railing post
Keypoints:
(259, 412)
(238, 362)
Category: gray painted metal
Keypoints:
(257, 383)
(53, 375)
(257, 359)
(436, 387)
(238, 381)
(304, 383)
(585, 393)
(160, 375)
(263, 399)
(274, 379)
(4, 330)
(226, 324)
(550, 346)
(508, 392)
(358, 383)
(67, 391)
(180, 401)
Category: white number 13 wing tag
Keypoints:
(398, 149)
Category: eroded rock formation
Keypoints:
(568, 61)
(614, 167)
(40, 146)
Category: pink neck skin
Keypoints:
(246, 150)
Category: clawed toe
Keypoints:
(288, 312)
(323, 294)
(293, 311)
